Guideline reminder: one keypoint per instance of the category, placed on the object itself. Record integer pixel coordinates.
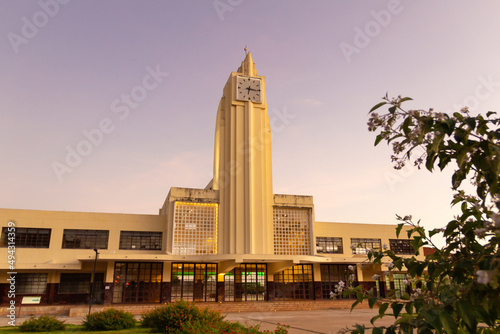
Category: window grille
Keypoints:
(31, 283)
(401, 246)
(292, 231)
(28, 237)
(140, 240)
(363, 246)
(85, 239)
(329, 245)
(195, 228)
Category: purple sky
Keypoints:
(71, 67)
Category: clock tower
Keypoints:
(242, 165)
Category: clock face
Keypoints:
(249, 89)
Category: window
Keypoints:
(140, 240)
(195, 228)
(292, 231)
(399, 286)
(31, 283)
(87, 239)
(329, 245)
(137, 282)
(401, 246)
(363, 246)
(28, 237)
(331, 275)
(294, 283)
(75, 283)
(194, 282)
(246, 282)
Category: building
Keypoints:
(234, 240)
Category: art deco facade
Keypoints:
(234, 240)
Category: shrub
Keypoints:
(110, 319)
(171, 318)
(185, 318)
(44, 323)
(204, 327)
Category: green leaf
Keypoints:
(409, 308)
(398, 229)
(396, 308)
(377, 330)
(360, 328)
(449, 324)
(375, 107)
(429, 162)
(406, 126)
(471, 122)
(372, 301)
(354, 304)
(405, 99)
(390, 330)
(434, 232)
(383, 308)
(421, 267)
(464, 311)
(378, 139)
(375, 318)
(443, 161)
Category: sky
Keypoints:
(105, 105)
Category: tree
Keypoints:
(458, 286)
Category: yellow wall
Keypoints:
(55, 257)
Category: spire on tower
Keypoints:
(247, 66)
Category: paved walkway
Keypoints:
(301, 322)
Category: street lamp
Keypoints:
(92, 280)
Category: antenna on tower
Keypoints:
(246, 50)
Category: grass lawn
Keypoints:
(78, 328)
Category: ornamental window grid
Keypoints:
(194, 282)
(140, 240)
(401, 246)
(292, 231)
(75, 283)
(363, 246)
(246, 282)
(195, 228)
(31, 283)
(85, 239)
(28, 237)
(329, 245)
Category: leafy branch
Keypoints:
(456, 288)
